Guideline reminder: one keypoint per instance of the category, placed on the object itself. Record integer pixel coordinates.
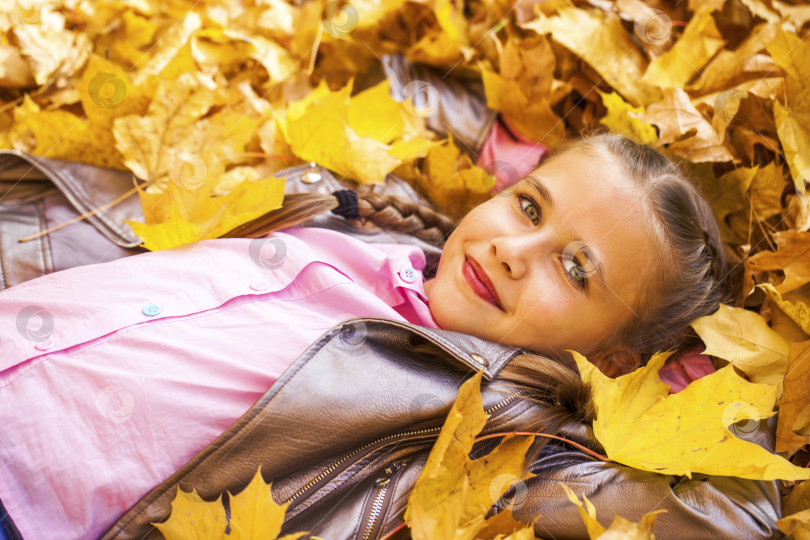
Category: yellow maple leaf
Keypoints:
(195, 215)
(624, 119)
(253, 514)
(194, 518)
(171, 55)
(453, 494)
(451, 182)
(533, 118)
(61, 134)
(797, 525)
(641, 426)
(620, 528)
(317, 129)
(744, 338)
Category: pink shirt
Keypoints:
(134, 366)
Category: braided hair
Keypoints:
(388, 212)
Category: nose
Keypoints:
(516, 252)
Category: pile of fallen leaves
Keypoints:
(205, 100)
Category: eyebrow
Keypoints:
(599, 272)
(534, 182)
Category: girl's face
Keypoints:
(567, 253)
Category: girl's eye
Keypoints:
(576, 272)
(531, 209)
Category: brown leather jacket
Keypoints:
(345, 432)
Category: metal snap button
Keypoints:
(479, 359)
(311, 176)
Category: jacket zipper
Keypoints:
(382, 486)
(330, 471)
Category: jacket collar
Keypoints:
(473, 352)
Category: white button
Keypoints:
(408, 274)
(259, 286)
(44, 345)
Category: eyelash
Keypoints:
(582, 285)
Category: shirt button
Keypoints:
(259, 286)
(408, 274)
(151, 310)
(44, 345)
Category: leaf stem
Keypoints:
(392, 533)
(548, 436)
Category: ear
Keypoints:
(615, 363)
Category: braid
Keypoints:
(387, 212)
(401, 215)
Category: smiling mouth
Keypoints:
(478, 281)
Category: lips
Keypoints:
(479, 282)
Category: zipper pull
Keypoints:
(385, 478)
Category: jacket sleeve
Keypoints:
(696, 508)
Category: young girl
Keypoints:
(604, 249)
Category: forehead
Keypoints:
(595, 200)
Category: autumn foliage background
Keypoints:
(203, 101)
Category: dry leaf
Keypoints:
(599, 39)
(675, 117)
(533, 118)
(794, 410)
(620, 528)
(697, 45)
(453, 494)
(317, 129)
(798, 309)
(792, 257)
(743, 338)
(625, 119)
(253, 514)
(640, 425)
